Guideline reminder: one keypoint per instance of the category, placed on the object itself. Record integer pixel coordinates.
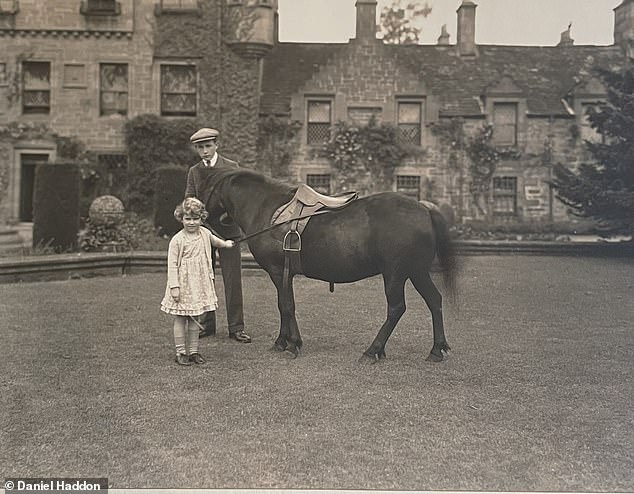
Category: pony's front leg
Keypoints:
(289, 338)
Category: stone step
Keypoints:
(10, 240)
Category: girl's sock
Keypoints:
(180, 325)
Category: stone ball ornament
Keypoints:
(106, 210)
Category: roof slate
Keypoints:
(544, 74)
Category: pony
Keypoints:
(386, 233)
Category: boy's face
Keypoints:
(206, 149)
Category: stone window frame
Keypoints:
(307, 123)
(503, 188)
(160, 66)
(521, 121)
(411, 189)
(405, 100)
(28, 109)
(118, 111)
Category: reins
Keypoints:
(251, 235)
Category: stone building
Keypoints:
(83, 68)
(534, 96)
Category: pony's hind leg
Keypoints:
(425, 286)
(395, 295)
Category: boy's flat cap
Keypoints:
(204, 134)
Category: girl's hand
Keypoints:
(175, 292)
(229, 244)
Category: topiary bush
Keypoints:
(169, 191)
(56, 206)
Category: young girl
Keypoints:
(190, 278)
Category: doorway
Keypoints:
(28, 166)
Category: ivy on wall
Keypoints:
(153, 142)
(364, 157)
(276, 145)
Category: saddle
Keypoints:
(306, 202)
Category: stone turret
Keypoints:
(251, 26)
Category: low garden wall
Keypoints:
(68, 266)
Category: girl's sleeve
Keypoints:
(172, 264)
(218, 242)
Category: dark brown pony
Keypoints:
(385, 233)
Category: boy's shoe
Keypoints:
(197, 358)
(182, 359)
(240, 336)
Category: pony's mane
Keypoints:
(259, 177)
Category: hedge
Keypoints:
(169, 191)
(56, 206)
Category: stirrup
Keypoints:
(287, 243)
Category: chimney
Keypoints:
(624, 26)
(443, 39)
(466, 28)
(366, 21)
(566, 39)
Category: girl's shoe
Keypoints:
(182, 359)
(197, 358)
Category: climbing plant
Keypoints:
(276, 145)
(364, 157)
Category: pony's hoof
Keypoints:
(290, 354)
(371, 358)
(434, 358)
(278, 348)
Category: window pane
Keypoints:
(505, 196)
(319, 182)
(114, 88)
(409, 113)
(409, 134)
(178, 90)
(178, 104)
(178, 79)
(505, 123)
(318, 133)
(101, 5)
(409, 120)
(408, 185)
(319, 112)
(189, 4)
(37, 75)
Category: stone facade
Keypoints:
(74, 70)
(534, 97)
(82, 69)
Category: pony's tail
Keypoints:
(445, 252)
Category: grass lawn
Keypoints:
(536, 394)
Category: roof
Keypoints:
(542, 74)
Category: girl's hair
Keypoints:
(190, 207)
